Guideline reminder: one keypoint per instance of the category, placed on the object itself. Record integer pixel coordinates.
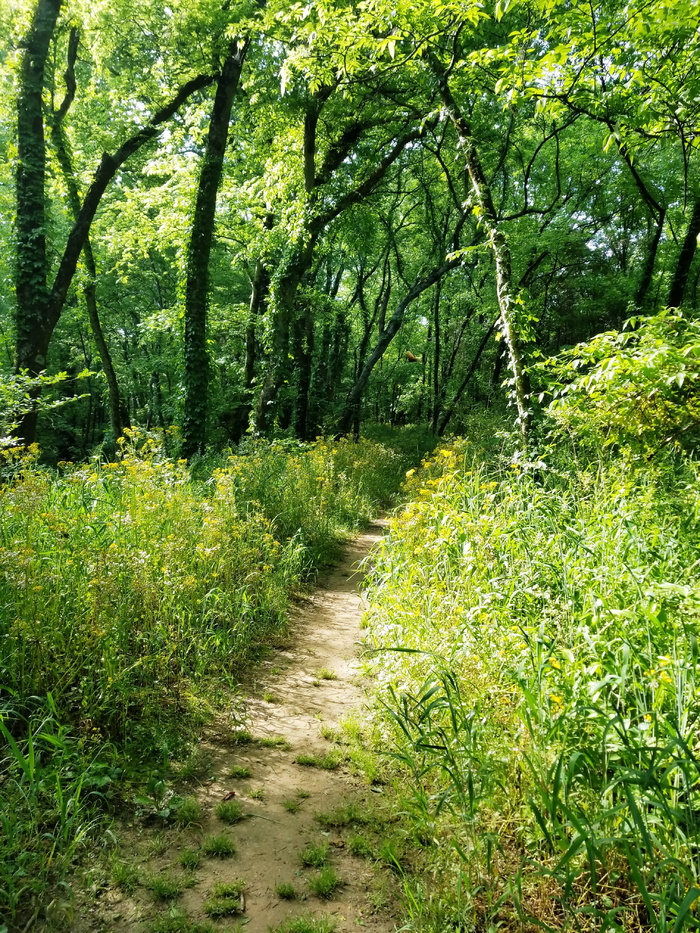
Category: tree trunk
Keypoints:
(118, 413)
(499, 246)
(450, 409)
(38, 309)
(650, 261)
(33, 331)
(436, 360)
(685, 259)
(194, 427)
(352, 403)
(284, 304)
(304, 349)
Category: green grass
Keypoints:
(125, 876)
(330, 733)
(286, 891)
(189, 811)
(360, 847)
(326, 883)
(218, 845)
(239, 771)
(327, 761)
(225, 899)
(122, 646)
(257, 794)
(195, 767)
(314, 855)
(190, 859)
(306, 925)
(292, 805)
(229, 811)
(272, 741)
(544, 677)
(325, 673)
(349, 814)
(178, 922)
(241, 737)
(166, 887)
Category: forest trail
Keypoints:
(308, 685)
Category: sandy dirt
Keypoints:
(299, 702)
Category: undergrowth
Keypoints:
(133, 594)
(534, 629)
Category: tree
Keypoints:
(39, 305)
(198, 253)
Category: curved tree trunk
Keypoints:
(38, 306)
(505, 291)
(118, 413)
(350, 413)
(194, 426)
(650, 261)
(450, 409)
(33, 330)
(685, 259)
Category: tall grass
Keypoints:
(131, 592)
(535, 637)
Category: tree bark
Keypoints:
(499, 246)
(352, 403)
(194, 427)
(437, 337)
(118, 413)
(685, 259)
(450, 409)
(650, 261)
(38, 308)
(32, 329)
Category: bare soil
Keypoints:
(291, 698)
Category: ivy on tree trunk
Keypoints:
(194, 425)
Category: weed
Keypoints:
(360, 847)
(257, 794)
(178, 922)
(225, 899)
(325, 883)
(324, 673)
(291, 805)
(314, 855)
(195, 767)
(328, 761)
(241, 737)
(139, 566)
(303, 794)
(218, 846)
(350, 814)
(189, 811)
(330, 733)
(125, 876)
(272, 741)
(239, 771)
(190, 859)
(286, 891)
(165, 887)
(306, 925)
(269, 697)
(391, 854)
(229, 811)
(159, 844)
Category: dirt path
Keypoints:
(306, 690)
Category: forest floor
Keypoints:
(298, 696)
